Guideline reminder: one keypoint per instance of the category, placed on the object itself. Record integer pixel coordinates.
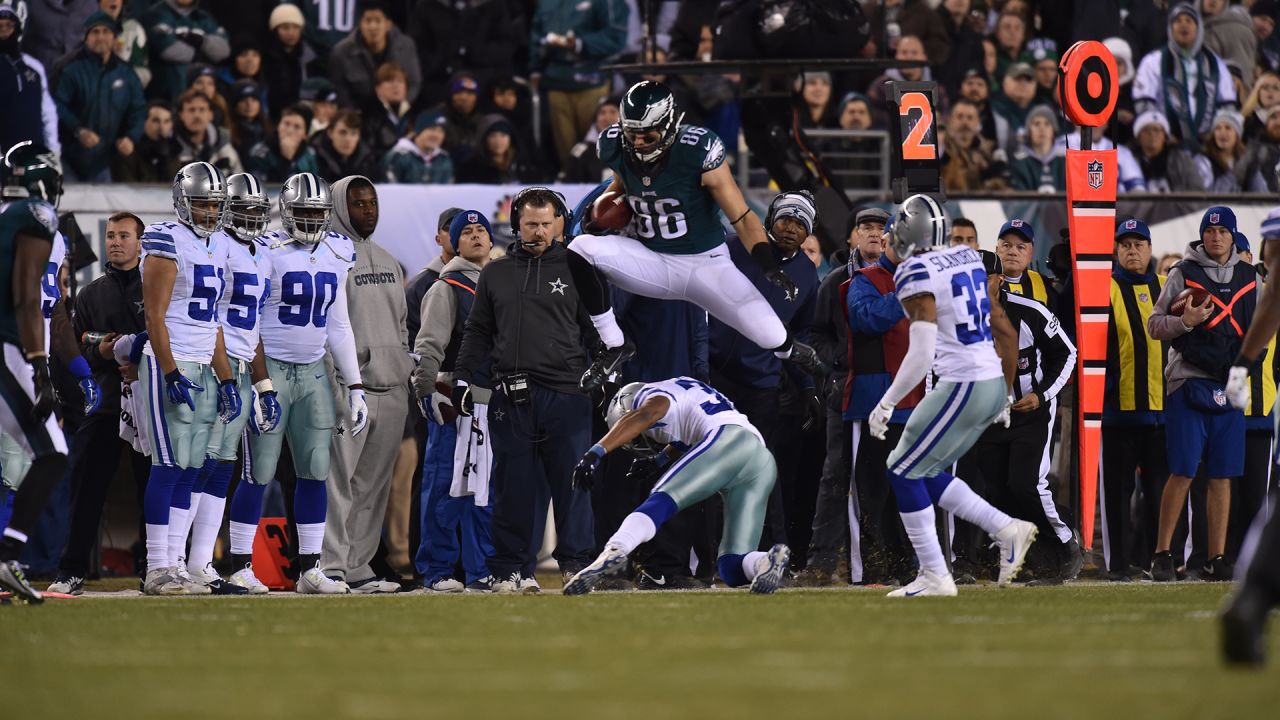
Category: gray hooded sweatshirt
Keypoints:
(1164, 326)
(375, 302)
(439, 314)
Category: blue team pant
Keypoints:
(443, 516)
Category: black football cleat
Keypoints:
(807, 358)
(1244, 625)
(607, 362)
(1162, 569)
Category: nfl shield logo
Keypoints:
(1220, 398)
(1024, 363)
(1130, 224)
(1095, 174)
(1214, 218)
(1143, 297)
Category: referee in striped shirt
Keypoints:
(1013, 462)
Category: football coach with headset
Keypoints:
(528, 321)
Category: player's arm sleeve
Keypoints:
(1161, 325)
(1057, 352)
(871, 313)
(159, 243)
(701, 343)
(477, 336)
(439, 312)
(609, 147)
(912, 278)
(342, 341)
(609, 35)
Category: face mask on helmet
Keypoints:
(247, 210)
(920, 225)
(649, 121)
(306, 208)
(621, 404)
(200, 198)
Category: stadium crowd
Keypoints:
(360, 93)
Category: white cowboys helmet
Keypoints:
(622, 403)
(247, 209)
(920, 225)
(200, 181)
(306, 191)
(649, 105)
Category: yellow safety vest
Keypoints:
(1141, 359)
(1032, 287)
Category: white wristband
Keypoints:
(264, 386)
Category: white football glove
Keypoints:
(359, 411)
(878, 422)
(122, 348)
(1238, 387)
(1006, 414)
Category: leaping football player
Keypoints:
(972, 347)
(676, 182)
(710, 448)
(306, 310)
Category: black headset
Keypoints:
(558, 202)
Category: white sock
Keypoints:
(751, 563)
(607, 326)
(204, 530)
(310, 538)
(157, 547)
(784, 354)
(960, 500)
(178, 528)
(16, 535)
(242, 538)
(637, 528)
(922, 529)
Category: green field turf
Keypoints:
(1083, 652)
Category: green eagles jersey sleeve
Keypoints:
(32, 217)
(609, 147)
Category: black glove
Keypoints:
(46, 399)
(762, 253)
(782, 280)
(645, 470)
(584, 474)
(462, 401)
(195, 40)
(813, 411)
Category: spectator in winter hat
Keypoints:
(318, 94)
(287, 61)
(1165, 166)
(421, 158)
(375, 41)
(460, 109)
(249, 122)
(1039, 165)
(387, 119)
(1163, 72)
(1222, 151)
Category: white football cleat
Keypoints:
(210, 578)
(190, 584)
(162, 581)
(508, 586)
(1014, 540)
(245, 578)
(926, 584)
(529, 586)
(770, 570)
(446, 585)
(611, 560)
(315, 582)
(374, 586)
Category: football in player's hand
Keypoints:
(1196, 296)
(610, 211)
(447, 411)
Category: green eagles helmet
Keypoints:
(32, 170)
(649, 105)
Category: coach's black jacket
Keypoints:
(527, 317)
(111, 303)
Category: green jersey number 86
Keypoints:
(658, 218)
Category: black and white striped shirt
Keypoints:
(1046, 357)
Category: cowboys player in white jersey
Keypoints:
(710, 448)
(188, 380)
(306, 310)
(248, 283)
(956, 329)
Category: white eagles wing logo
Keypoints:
(715, 155)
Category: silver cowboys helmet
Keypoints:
(200, 181)
(920, 225)
(306, 191)
(622, 403)
(649, 105)
(247, 209)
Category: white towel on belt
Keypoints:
(133, 423)
(472, 457)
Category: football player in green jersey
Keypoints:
(676, 183)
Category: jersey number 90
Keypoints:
(304, 300)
